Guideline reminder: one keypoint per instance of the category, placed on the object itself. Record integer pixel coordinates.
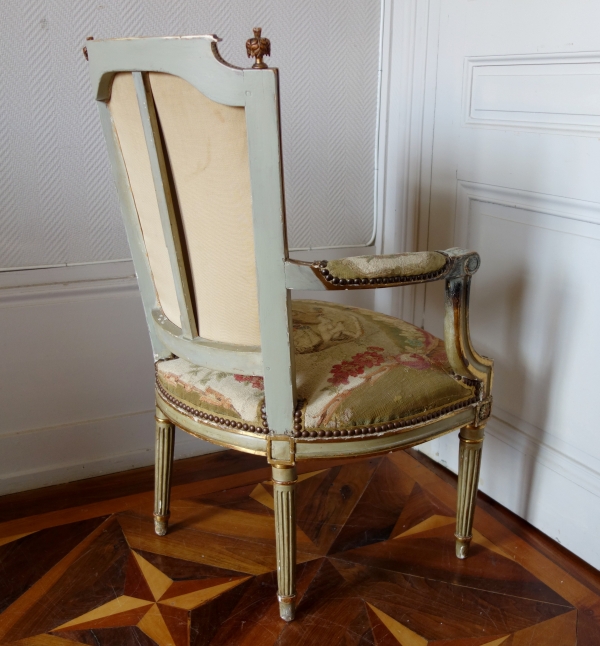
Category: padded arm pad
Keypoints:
(401, 264)
(366, 272)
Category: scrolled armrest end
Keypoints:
(464, 262)
(465, 361)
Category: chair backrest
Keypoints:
(195, 149)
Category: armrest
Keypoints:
(368, 272)
(461, 355)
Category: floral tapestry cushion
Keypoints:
(354, 368)
(401, 264)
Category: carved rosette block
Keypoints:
(469, 463)
(284, 493)
(165, 441)
(257, 48)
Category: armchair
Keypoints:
(195, 149)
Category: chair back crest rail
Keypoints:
(209, 296)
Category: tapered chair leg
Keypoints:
(469, 461)
(165, 441)
(284, 492)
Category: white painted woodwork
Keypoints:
(550, 92)
(77, 376)
(513, 166)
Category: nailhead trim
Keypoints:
(263, 414)
(473, 383)
(213, 420)
(388, 280)
(388, 426)
(299, 420)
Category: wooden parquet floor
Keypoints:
(376, 566)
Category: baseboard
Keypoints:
(551, 489)
(36, 458)
(563, 459)
(31, 287)
(581, 469)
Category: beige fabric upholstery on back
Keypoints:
(207, 147)
(207, 150)
(125, 112)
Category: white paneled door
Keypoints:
(515, 174)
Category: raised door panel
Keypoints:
(515, 166)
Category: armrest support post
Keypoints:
(461, 355)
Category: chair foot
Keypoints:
(284, 484)
(471, 443)
(462, 546)
(165, 439)
(287, 608)
(161, 524)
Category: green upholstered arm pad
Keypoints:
(366, 272)
(366, 269)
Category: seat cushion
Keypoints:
(356, 371)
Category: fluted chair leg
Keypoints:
(284, 492)
(165, 441)
(469, 461)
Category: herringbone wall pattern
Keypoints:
(57, 201)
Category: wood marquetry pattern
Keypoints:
(376, 567)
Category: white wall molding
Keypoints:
(95, 447)
(580, 468)
(550, 453)
(553, 92)
(77, 377)
(549, 489)
(63, 292)
(31, 286)
(526, 121)
(577, 217)
(89, 271)
(409, 44)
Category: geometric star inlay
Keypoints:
(168, 603)
(404, 635)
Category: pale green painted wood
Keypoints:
(228, 357)
(133, 230)
(284, 498)
(166, 207)
(469, 465)
(317, 448)
(196, 60)
(248, 443)
(163, 468)
(262, 120)
(307, 450)
(193, 58)
(301, 276)
(457, 338)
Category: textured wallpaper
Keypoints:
(57, 200)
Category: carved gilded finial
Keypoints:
(258, 47)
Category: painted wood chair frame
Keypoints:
(197, 61)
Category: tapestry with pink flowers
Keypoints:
(354, 367)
